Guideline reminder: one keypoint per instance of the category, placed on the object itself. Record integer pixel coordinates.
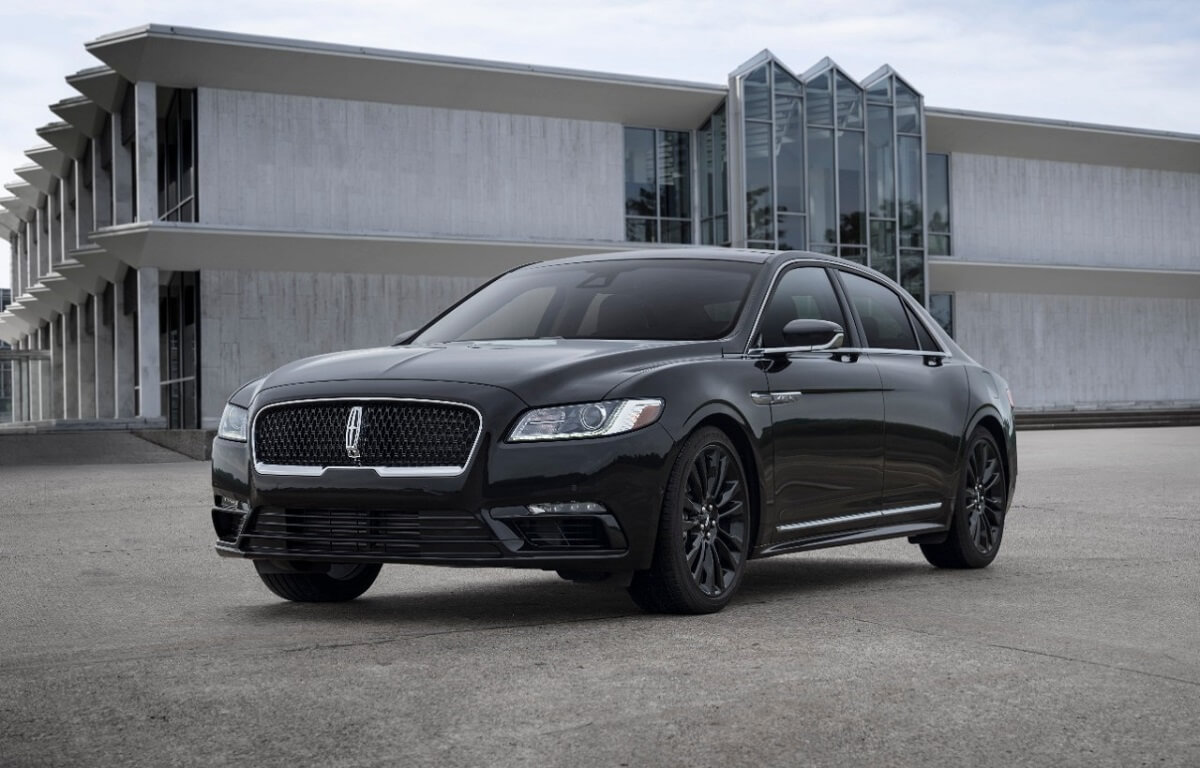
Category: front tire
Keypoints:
(342, 582)
(977, 525)
(703, 531)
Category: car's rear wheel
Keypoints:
(342, 582)
(977, 525)
(703, 531)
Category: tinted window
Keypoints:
(803, 293)
(633, 299)
(883, 316)
(923, 337)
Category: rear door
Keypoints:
(924, 398)
(827, 416)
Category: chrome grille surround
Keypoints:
(383, 470)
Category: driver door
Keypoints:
(827, 416)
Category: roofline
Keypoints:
(354, 51)
(1070, 125)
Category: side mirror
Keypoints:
(812, 335)
(806, 336)
(404, 338)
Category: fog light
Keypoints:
(224, 502)
(567, 508)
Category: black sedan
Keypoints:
(657, 417)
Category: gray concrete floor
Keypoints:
(125, 641)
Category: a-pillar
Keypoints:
(124, 307)
(70, 361)
(102, 351)
(86, 347)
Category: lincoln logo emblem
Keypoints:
(353, 431)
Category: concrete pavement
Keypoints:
(125, 641)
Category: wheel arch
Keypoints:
(739, 434)
(989, 419)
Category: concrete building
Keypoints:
(211, 205)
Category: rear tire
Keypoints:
(343, 582)
(977, 525)
(703, 531)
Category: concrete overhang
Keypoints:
(982, 133)
(9, 221)
(24, 313)
(66, 291)
(43, 302)
(83, 113)
(65, 137)
(86, 275)
(53, 159)
(99, 262)
(186, 58)
(101, 85)
(37, 178)
(168, 245)
(18, 207)
(990, 277)
(11, 327)
(26, 193)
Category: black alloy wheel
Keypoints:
(977, 526)
(704, 531)
(342, 582)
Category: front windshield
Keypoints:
(656, 299)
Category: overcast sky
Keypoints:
(1122, 63)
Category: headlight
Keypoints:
(609, 417)
(234, 420)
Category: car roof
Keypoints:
(713, 253)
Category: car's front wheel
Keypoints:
(703, 532)
(342, 582)
(977, 525)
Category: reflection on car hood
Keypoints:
(538, 371)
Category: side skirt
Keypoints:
(853, 537)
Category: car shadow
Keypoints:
(537, 600)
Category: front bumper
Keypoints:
(478, 518)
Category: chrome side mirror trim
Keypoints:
(834, 343)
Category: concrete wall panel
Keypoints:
(1064, 351)
(253, 322)
(276, 161)
(1007, 209)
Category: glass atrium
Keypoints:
(816, 162)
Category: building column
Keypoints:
(55, 384)
(17, 388)
(149, 366)
(70, 362)
(45, 377)
(124, 360)
(102, 352)
(146, 160)
(86, 365)
(83, 203)
(122, 176)
(102, 187)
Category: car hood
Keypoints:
(538, 371)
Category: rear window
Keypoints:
(653, 299)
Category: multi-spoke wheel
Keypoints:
(978, 522)
(704, 530)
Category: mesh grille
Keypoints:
(563, 532)
(393, 434)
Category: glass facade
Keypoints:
(177, 158)
(712, 140)
(658, 186)
(937, 197)
(816, 162)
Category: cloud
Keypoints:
(1129, 64)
